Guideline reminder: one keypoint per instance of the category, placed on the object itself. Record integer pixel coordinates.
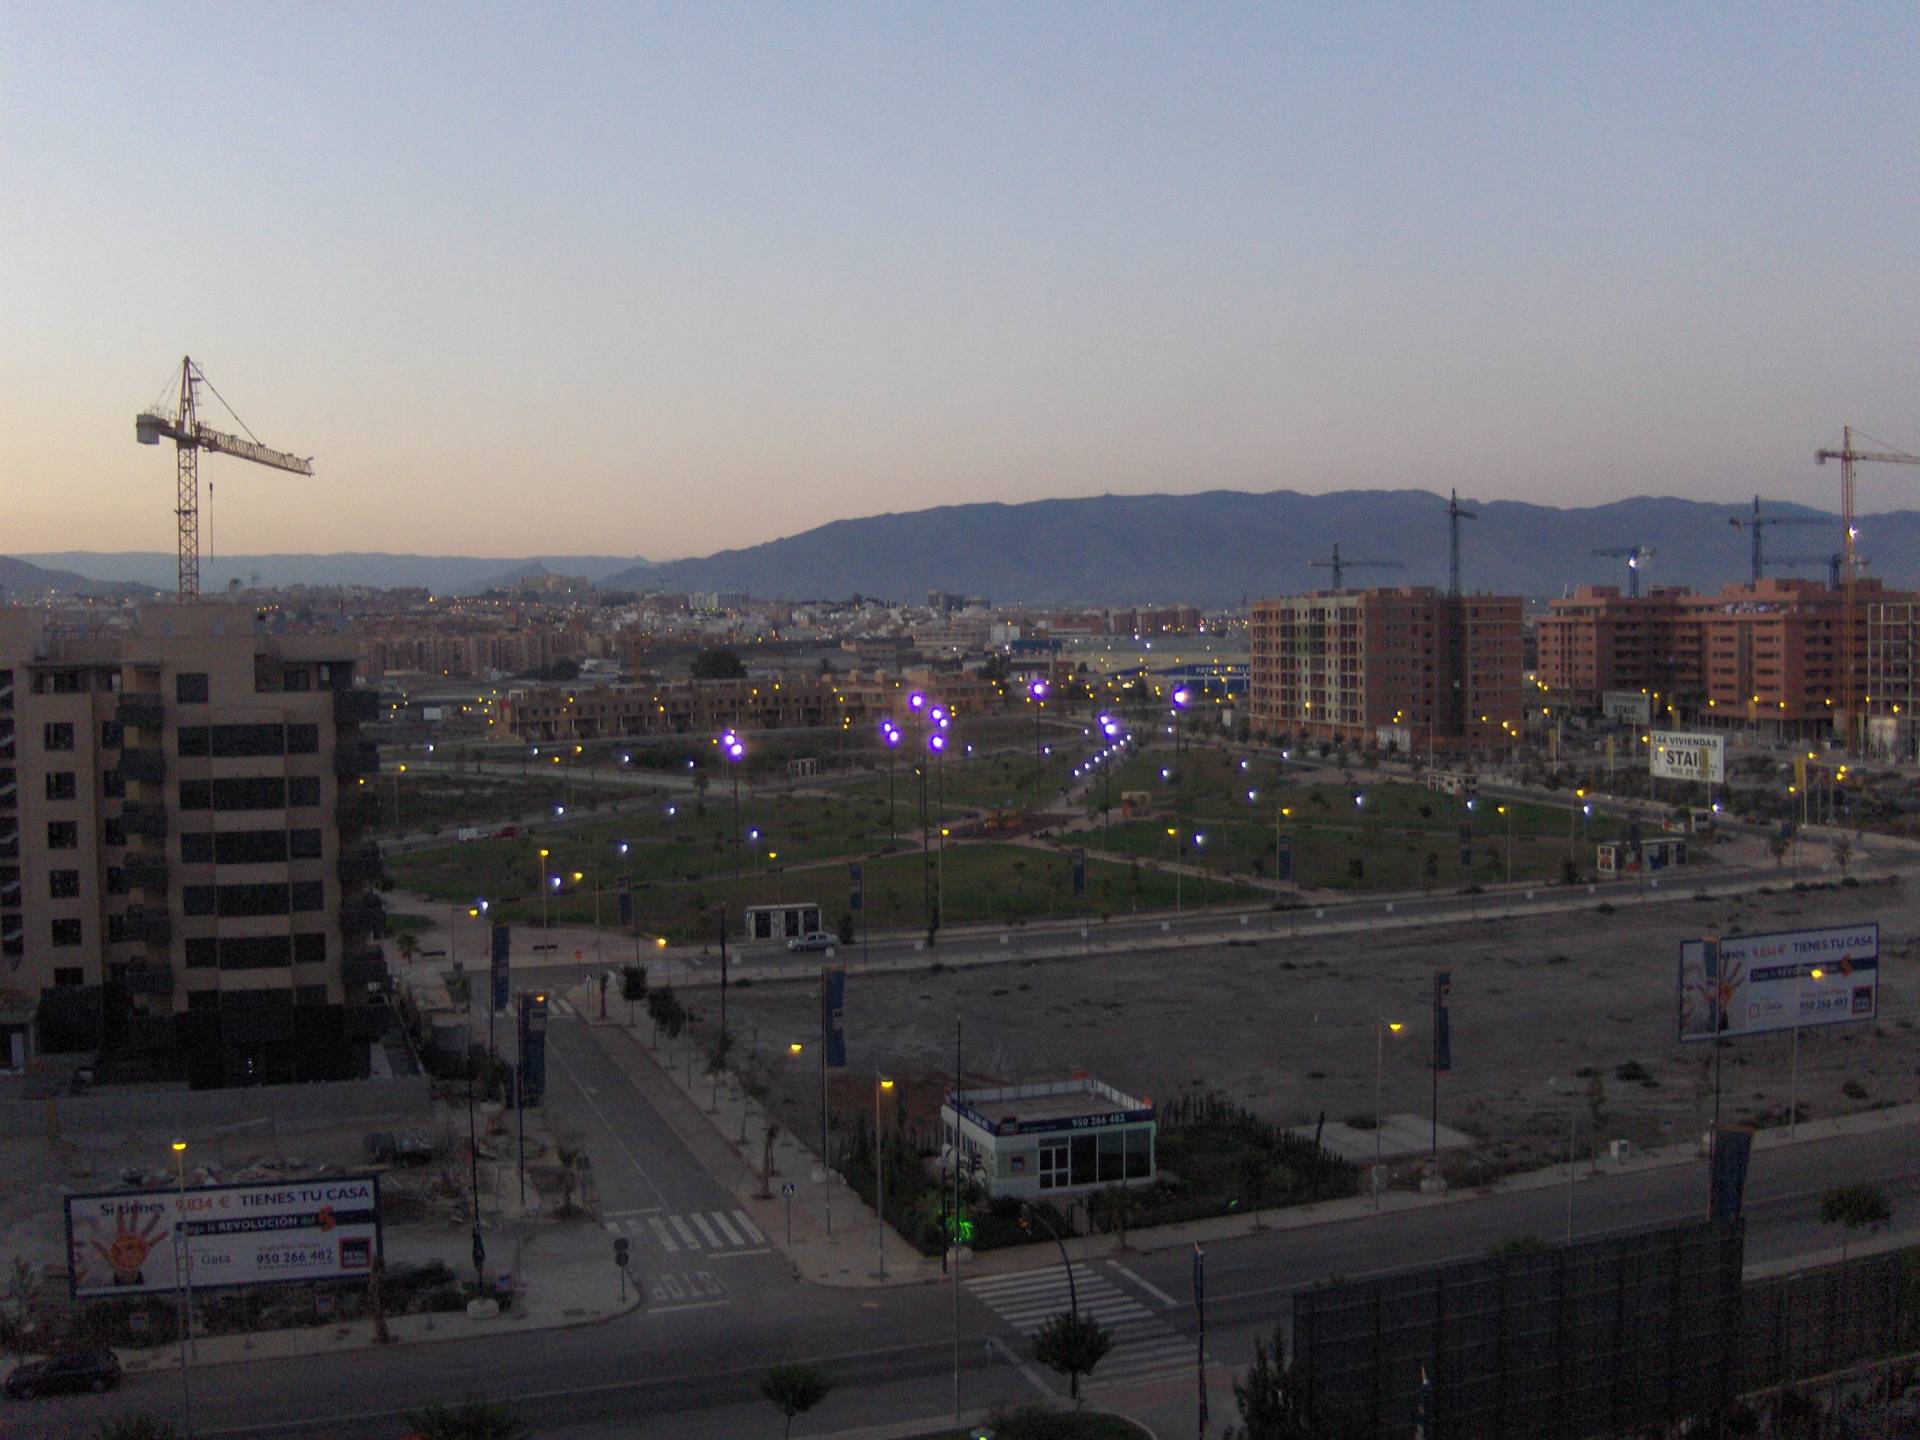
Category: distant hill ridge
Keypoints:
(1212, 548)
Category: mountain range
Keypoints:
(1211, 549)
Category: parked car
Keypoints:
(813, 940)
(67, 1370)
(506, 832)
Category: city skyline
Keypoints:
(674, 283)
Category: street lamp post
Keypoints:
(1037, 694)
(1379, 1071)
(880, 1083)
(183, 1258)
(937, 745)
(545, 885)
(891, 735)
(732, 747)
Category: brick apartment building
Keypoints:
(1344, 665)
(183, 882)
(1757, 651)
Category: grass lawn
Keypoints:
(433, 801)
(1404, 836)
(975, 884)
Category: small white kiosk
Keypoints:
(1022, 1141)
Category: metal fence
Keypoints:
(1625, 1332)
(1815, 1322)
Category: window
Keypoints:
(196, 847)
(250, 847)
(1085, 1159)
(195, 740)
(196, 794)
(304, 844)
(253, 899)
(58, 735)
(303, 790)
(309, 895)
(309, 995)
(63, 835)
(255, 952)
(63, 884)
(116, 880)
(113, 785)
(190, 688)
(1113, 1153)
(117, 929)
(309, 949)
(112, 735)
(202, 953)
(303, 739)
(1053, 1165)
(66, 932)
(61, 785)
(69, 975)
(249, 792)
(196, 900)
(249, 740)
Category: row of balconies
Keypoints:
(153, 978)
(150, 924)
(142, 712)
(145, 869)
(144, 764)
(144, 819)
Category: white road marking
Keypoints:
(1154, 1290)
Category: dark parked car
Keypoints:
(68, 1370)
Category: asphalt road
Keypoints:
(719, 1315)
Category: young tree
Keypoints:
(1858, 1206)
(1777, 847)
(633, 986)
(794, 1390)
(1843, 854)
(1071, 1345)
(1271, 1405)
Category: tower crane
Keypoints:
(1635, 555)
(1849, 561)
(1339, 566)
(190, 437)
(1456, 626)
(1759, 524)
(1830, 561)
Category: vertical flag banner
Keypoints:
(1079, 871)
(1732, 1146)
(626, 903)
(833, 1015)
(856, 887)
(497, 958)
(1443, 1020)
(1283, 860)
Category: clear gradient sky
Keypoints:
(652, 279)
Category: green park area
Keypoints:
(418, 802)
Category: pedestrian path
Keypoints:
(693, 1231)
(1145, 1346)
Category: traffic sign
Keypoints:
(788, 1189)
(620, 1251)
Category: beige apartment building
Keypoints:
(184, 886)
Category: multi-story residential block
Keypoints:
(1769, 651)
(1349, 664)
(184, 882)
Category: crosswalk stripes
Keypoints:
(694, 1231)
(1145, 1346)
(561, 1005)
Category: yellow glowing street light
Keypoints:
(794, 1047)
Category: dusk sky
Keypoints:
(659, 280)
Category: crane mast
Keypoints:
(1850, 561)
(190, 437)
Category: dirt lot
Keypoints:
(1571, 1013)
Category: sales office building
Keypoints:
(1023, 1141)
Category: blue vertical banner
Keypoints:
(1732, 1147)
(1200, 1312)
(1079, 870)
(501, 942)
(833, 1015)
(626, 904)
(533, 1046)
(1442, 1021)
(1283, 859)
(856, 886)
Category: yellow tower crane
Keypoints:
(1850, 564)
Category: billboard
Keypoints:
(1752, 984)
(1633, 706)
(130, 1242)
(1677, 755)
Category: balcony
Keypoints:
(363, 969)
(362, 865)
(145, 870)
(355, 707)
(142, 712)
(356, 812)
(363, 916)
(149, 822)
(149, 924)
(154, 979)
(147, 766)
(352, 761)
